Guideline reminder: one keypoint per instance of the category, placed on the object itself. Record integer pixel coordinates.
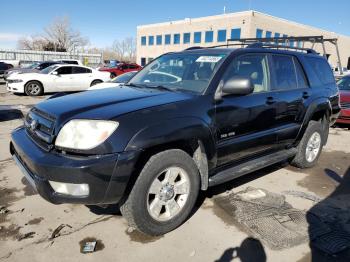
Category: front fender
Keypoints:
(172, 130)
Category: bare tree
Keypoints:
(31, 43)
(125, 49)
(63, 36)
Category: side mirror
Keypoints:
(55, 73)
(238, 85)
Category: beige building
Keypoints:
(156, 39)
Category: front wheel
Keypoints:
(33, 88)
(310, 146)
(164, 193)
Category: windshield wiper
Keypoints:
(160, 87)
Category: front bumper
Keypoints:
(344, 117)
(106, 175)
(15, 87)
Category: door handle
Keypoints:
(270, 100)
(306, 95)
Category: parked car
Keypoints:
(344, 91)
(337, 74)
(36, 67)
(115, 82)
(56, 78)
(121, 69)
(153, 144)
(4, 67)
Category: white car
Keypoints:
(115, 82)
(56, 78)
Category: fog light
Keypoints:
(70, 189)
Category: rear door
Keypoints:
(245, 124)
(291, 91)
(82, 78)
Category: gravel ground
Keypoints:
(28, 223)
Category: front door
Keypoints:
(64, 80)
(245, 123)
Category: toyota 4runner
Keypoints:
(188, 121)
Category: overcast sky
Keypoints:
(107, 20)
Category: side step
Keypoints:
(250, 166)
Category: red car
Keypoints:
(344, 90)
(121, 69)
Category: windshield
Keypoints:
(183, 71)
(123, 78)
(32, 66)
(344, 83)
(48, 69)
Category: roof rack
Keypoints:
(284, 43)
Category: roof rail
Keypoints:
(285, 43)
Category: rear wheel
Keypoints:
(164, 193)
(33, 88)
(95, 82)
(310, 146)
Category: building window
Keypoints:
(235, 33)
(277, 35)
(300, 44)
(151, 40)
(159, 39)
(197, 37)
(187, 38)
(143, 61)
(268, 34)
(167, 39)
(222, 35)
(284, 36)
(176, 38)
(209, 35)
(291, 43)
(259, 33)
(143, 40)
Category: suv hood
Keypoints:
(107, 103)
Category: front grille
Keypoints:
(344, 104)
(40, 127)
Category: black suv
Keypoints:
(187, 121)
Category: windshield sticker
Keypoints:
(208, 59)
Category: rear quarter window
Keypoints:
(322, 72)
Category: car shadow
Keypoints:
(250, 250)
(329, 223)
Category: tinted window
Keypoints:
(209, 35)
(221, 35)
(167, 39)
(72, 62)
(302, 82)
(321, 69)
(159, 39)
(251, 66)
(65, 70)
(151, 40)
(187, 38)
(143, 40)
(197, 37)
(176, 38)
(284, 72)
(259, 33)
(344, 83)
(133, 66)
(81, 70)
(235, 33)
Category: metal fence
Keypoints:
(29, 56)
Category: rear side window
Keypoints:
(321, 70)
(81, 70)
(301, 78)
(284, 71)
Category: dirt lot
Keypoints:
(309, 206)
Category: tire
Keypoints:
(113, 75)
(310, 146)
(140, 209)
(33, 88)
(95, 82)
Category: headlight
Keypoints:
(85, 134)
(15, 80)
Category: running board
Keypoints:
(251, 166)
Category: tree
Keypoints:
(63, 36)
(58, 36)
(125, 49)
